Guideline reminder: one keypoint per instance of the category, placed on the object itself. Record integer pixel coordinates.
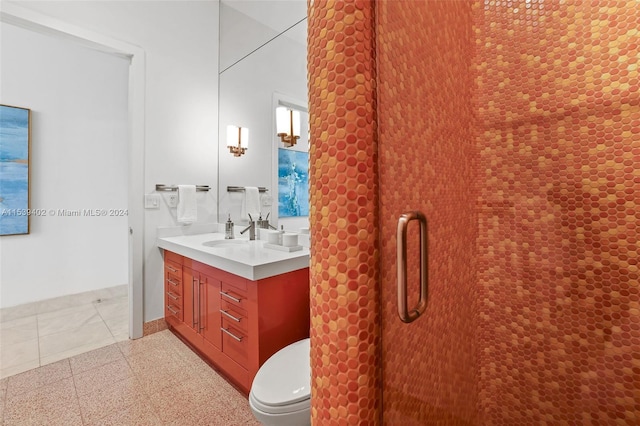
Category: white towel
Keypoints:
(251, 203)
(187, 205)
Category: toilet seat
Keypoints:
(283, 383)
(279, 409)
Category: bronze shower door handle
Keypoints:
(405, 314)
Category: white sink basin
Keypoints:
(225, 243)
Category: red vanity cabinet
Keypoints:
(236, 323)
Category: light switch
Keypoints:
(267, 200)
(151, 201)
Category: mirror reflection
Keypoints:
(263, 70)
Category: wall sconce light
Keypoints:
(237, 140)
(288, 125)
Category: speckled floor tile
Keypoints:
(101, 377)
(183, 399)
(152, 380)
(53, 404)
(110, 399)
(138, 346)
(3, 388)
(159, 382)
(159, 356)
(3, 394)
(201, 373)
(138, 413)
(38, 377)
(99, 357)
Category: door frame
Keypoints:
(34, 21)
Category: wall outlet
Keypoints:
(172, 200)
(151, 201)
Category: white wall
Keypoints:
(78, 102)
(180, 40)
(246, 99)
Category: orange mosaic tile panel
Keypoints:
(523, 120)
(559, 315)
(343, 220)
(427, 153)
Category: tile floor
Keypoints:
(155, 380)
(37, 334)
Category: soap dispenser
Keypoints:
(280, 234)
(228, 229)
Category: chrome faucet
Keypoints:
(264, 224)
(251, 228)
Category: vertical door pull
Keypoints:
(195, 289)
(202, 322)
(407, 315)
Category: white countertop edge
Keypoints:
(287, 263)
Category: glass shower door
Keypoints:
(514, 126)
(427, 164)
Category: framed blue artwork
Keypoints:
(293, 183)
(14, 170)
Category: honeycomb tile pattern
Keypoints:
(532, 188)
(345, 334)
(559, 315)
(427, 162)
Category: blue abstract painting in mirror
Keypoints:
(14, 170)
(293, 183)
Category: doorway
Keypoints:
(130, 224)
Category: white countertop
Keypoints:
(251, 260)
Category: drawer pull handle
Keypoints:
(171, 310)
(228, 315)
(173, 283)
(239, 339)
(173, 296)
(171, 269)
(227, 295)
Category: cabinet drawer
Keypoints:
(234, 315)
(233, 295)
(174, 285)
(234, 343)
(172, 311)
(173, 269)
(173, 298)
(170, 256)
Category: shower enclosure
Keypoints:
(514, 127)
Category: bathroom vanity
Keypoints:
(233, 301)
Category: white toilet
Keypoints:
(281, 391)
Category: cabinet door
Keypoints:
(190, 297)
(211, 309)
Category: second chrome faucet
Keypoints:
(251, 228)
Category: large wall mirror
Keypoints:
(263, 66)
